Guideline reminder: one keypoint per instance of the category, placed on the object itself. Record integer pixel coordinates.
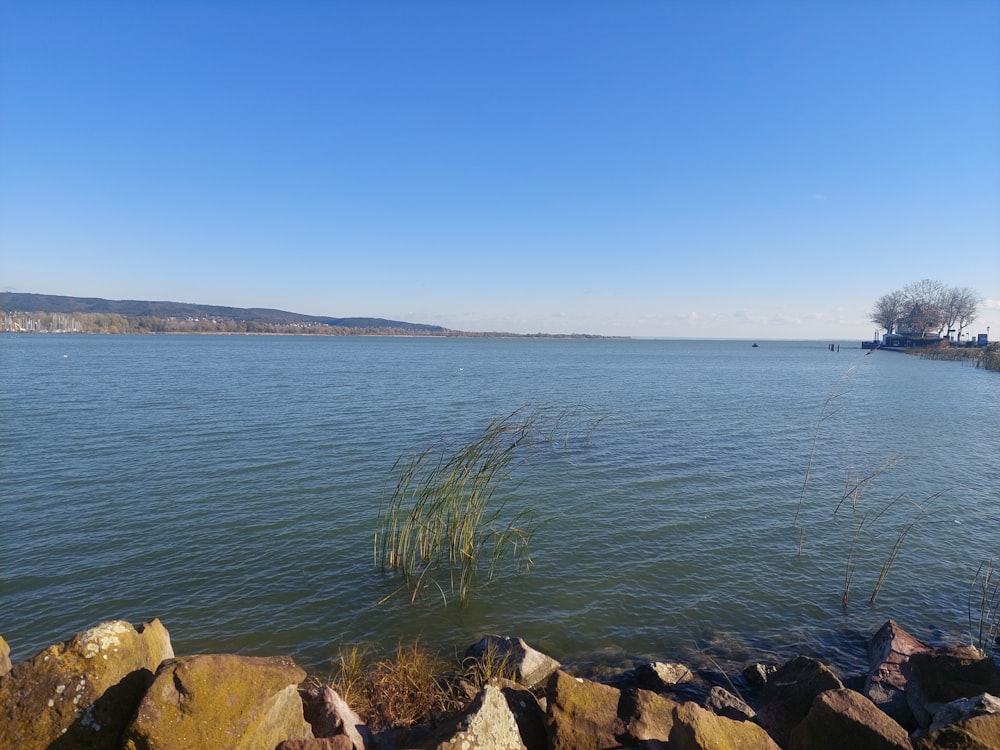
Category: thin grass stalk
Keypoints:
(889, 560)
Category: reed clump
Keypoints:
(412, 684)
(987, 357)
(443, 526)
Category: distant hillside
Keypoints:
(142, 313)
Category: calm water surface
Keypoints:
(229, 486)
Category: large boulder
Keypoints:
(81, 693)
(645, 718)
(525, 664)
(889, 652)
(528, 714)
(581, 714)
(788, 695)
(947, 674)
(845, 718)
(216, 701)
(696, 728)
(966, 724)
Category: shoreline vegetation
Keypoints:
(987, 357)
(116, 685)
(37, 313)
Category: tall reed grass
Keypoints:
(984, 608)
(444, 527)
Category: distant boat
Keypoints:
(754, 346)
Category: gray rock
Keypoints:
(487, 724)
(968, 723)
(720, 701)
(659, 676)
(525, 664)
(329, 716)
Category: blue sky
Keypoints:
(702, 169)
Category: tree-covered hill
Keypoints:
(165, 316)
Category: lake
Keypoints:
(694, 497)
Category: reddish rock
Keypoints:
(789, 693)
(846, 719)
(340, 742)
(947, 674)
(889, 652)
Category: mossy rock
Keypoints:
(216, 701)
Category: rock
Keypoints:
(4, 657)
(720, 701)
(526, 665)
(220, 701)
(889, 652)
(329, 716)
(81, 693)
(340, 742)
(646, 718)
(659, 676)
(487, 724)
(756, 675)
(580, 714)
(529, 715)
(966, 724)
(788, 695)
(586, 715)
(946, 674)
(845, 718)
(696, 728)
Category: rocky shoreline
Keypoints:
(119, 686)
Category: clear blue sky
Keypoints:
(705, 169)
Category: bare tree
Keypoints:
(888, 310)
(961, 306)
(924, 306)
(924, 303)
